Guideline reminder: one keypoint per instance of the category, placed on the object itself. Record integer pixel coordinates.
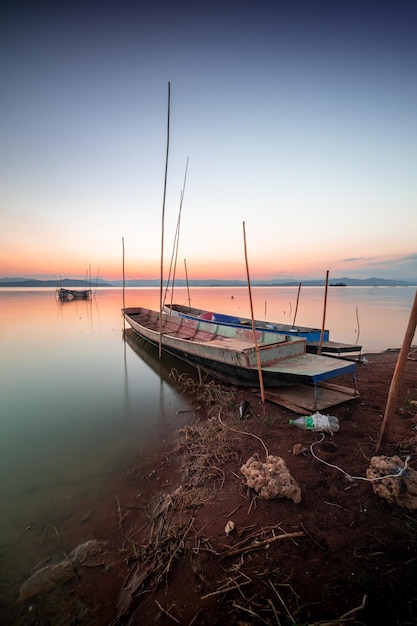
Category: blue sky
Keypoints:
(296, 118)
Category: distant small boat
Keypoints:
(66, 295)
(311, 335)
(231, 354)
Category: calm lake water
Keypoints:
(79, 404)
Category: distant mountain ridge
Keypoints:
(212, 282)
(66, 282)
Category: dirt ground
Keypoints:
(162, 551)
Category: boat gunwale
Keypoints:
(275, 327)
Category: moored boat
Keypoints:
(66, 295)
(314, 341)
(231, 353)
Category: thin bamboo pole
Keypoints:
(173, 260)
(186, 280)
(163, 222)
(123, 271)
(174, 257)
(97, 275)
(258, 357)
(296, 305)
(398, 372)
(323, 324)
(359, 328)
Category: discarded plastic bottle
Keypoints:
(328, 423)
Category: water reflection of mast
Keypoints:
(124, 328)
(125, 370)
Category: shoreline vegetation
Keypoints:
(212, 282)
(182, 537)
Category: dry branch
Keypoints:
(225, 590)
(260, 544)
(167, 614)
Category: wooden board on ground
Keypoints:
(301, 398)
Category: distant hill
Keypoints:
(212, 282)
(66, 282)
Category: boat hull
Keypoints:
(236, 362)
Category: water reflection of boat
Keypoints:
(232, 354)
(150, 355)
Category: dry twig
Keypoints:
(225, 590)
(261, 544)
(167, 614)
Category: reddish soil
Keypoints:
(342, 553)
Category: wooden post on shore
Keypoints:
(258, 358)
(398, 372)
(323, 324)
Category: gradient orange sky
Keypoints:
(295, 118)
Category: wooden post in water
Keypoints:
(323, 324)
(359, 328)
(123, 271)
(398, 372)
(98, 269)
(186, 279)
(296, 305)
(163, 221)
(258, 358)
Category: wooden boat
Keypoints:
(66, 295)
(311, 335)
(231, 353)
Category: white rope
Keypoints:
(242, 432)
(399, 473)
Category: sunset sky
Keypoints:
(298, 118)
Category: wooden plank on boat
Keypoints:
(334, 347)
(301, 398)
